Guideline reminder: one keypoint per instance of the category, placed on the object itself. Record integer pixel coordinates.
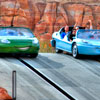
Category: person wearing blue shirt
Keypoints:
(66, 31)
(63, 35)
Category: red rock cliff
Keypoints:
(4, 95)
(47, 16)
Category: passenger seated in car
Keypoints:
(73, 33)
(98, 25)
(66, 32)
(89, 25)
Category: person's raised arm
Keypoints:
(91, 26)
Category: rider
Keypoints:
(98, 25)
(66, 31)
(73, 33)
(89, 25)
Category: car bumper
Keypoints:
(24, 50)
(89, 50)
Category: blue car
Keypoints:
(85, 42)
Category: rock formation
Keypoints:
(4, 94)
(46, 16)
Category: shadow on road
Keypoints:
(48, 63)
(85, 57)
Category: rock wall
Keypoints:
(4, 94)
(46, 16)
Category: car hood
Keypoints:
(15, 38)
(16, 41)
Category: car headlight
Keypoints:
(5, 41)
(35, 41)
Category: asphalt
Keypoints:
(29, 85)
(78, 77)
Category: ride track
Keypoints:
(78, 81)
(43, 63)
(47, 79)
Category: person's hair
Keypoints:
(87, 23)
(66, 27)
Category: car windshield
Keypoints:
(15, 31)
(88, 34)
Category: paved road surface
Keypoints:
(80, 78)
(29, 85)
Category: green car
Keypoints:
(18, 40)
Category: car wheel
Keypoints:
(58, 51)
(33, 55)
(75, 51)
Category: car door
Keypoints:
(63, 44)
(66, 45)
(58, 41)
